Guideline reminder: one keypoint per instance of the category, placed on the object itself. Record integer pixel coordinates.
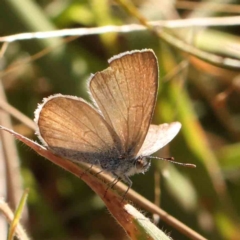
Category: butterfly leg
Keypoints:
(126, 179)
(96, 175)
(112, 184)
(86, 171)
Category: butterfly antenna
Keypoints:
(171, 159)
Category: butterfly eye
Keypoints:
(142, 164)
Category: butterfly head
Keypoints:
(142, 164)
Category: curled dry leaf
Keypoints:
(132, 221)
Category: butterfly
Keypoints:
(114, 132)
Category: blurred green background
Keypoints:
(203, 97)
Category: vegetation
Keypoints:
(199, 62)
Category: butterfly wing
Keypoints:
(158, 136)
(73, 129)
(126, 95)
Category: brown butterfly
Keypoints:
(114, 133)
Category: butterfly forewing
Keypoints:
(158, 136)
(83, 135)
(126, 94)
